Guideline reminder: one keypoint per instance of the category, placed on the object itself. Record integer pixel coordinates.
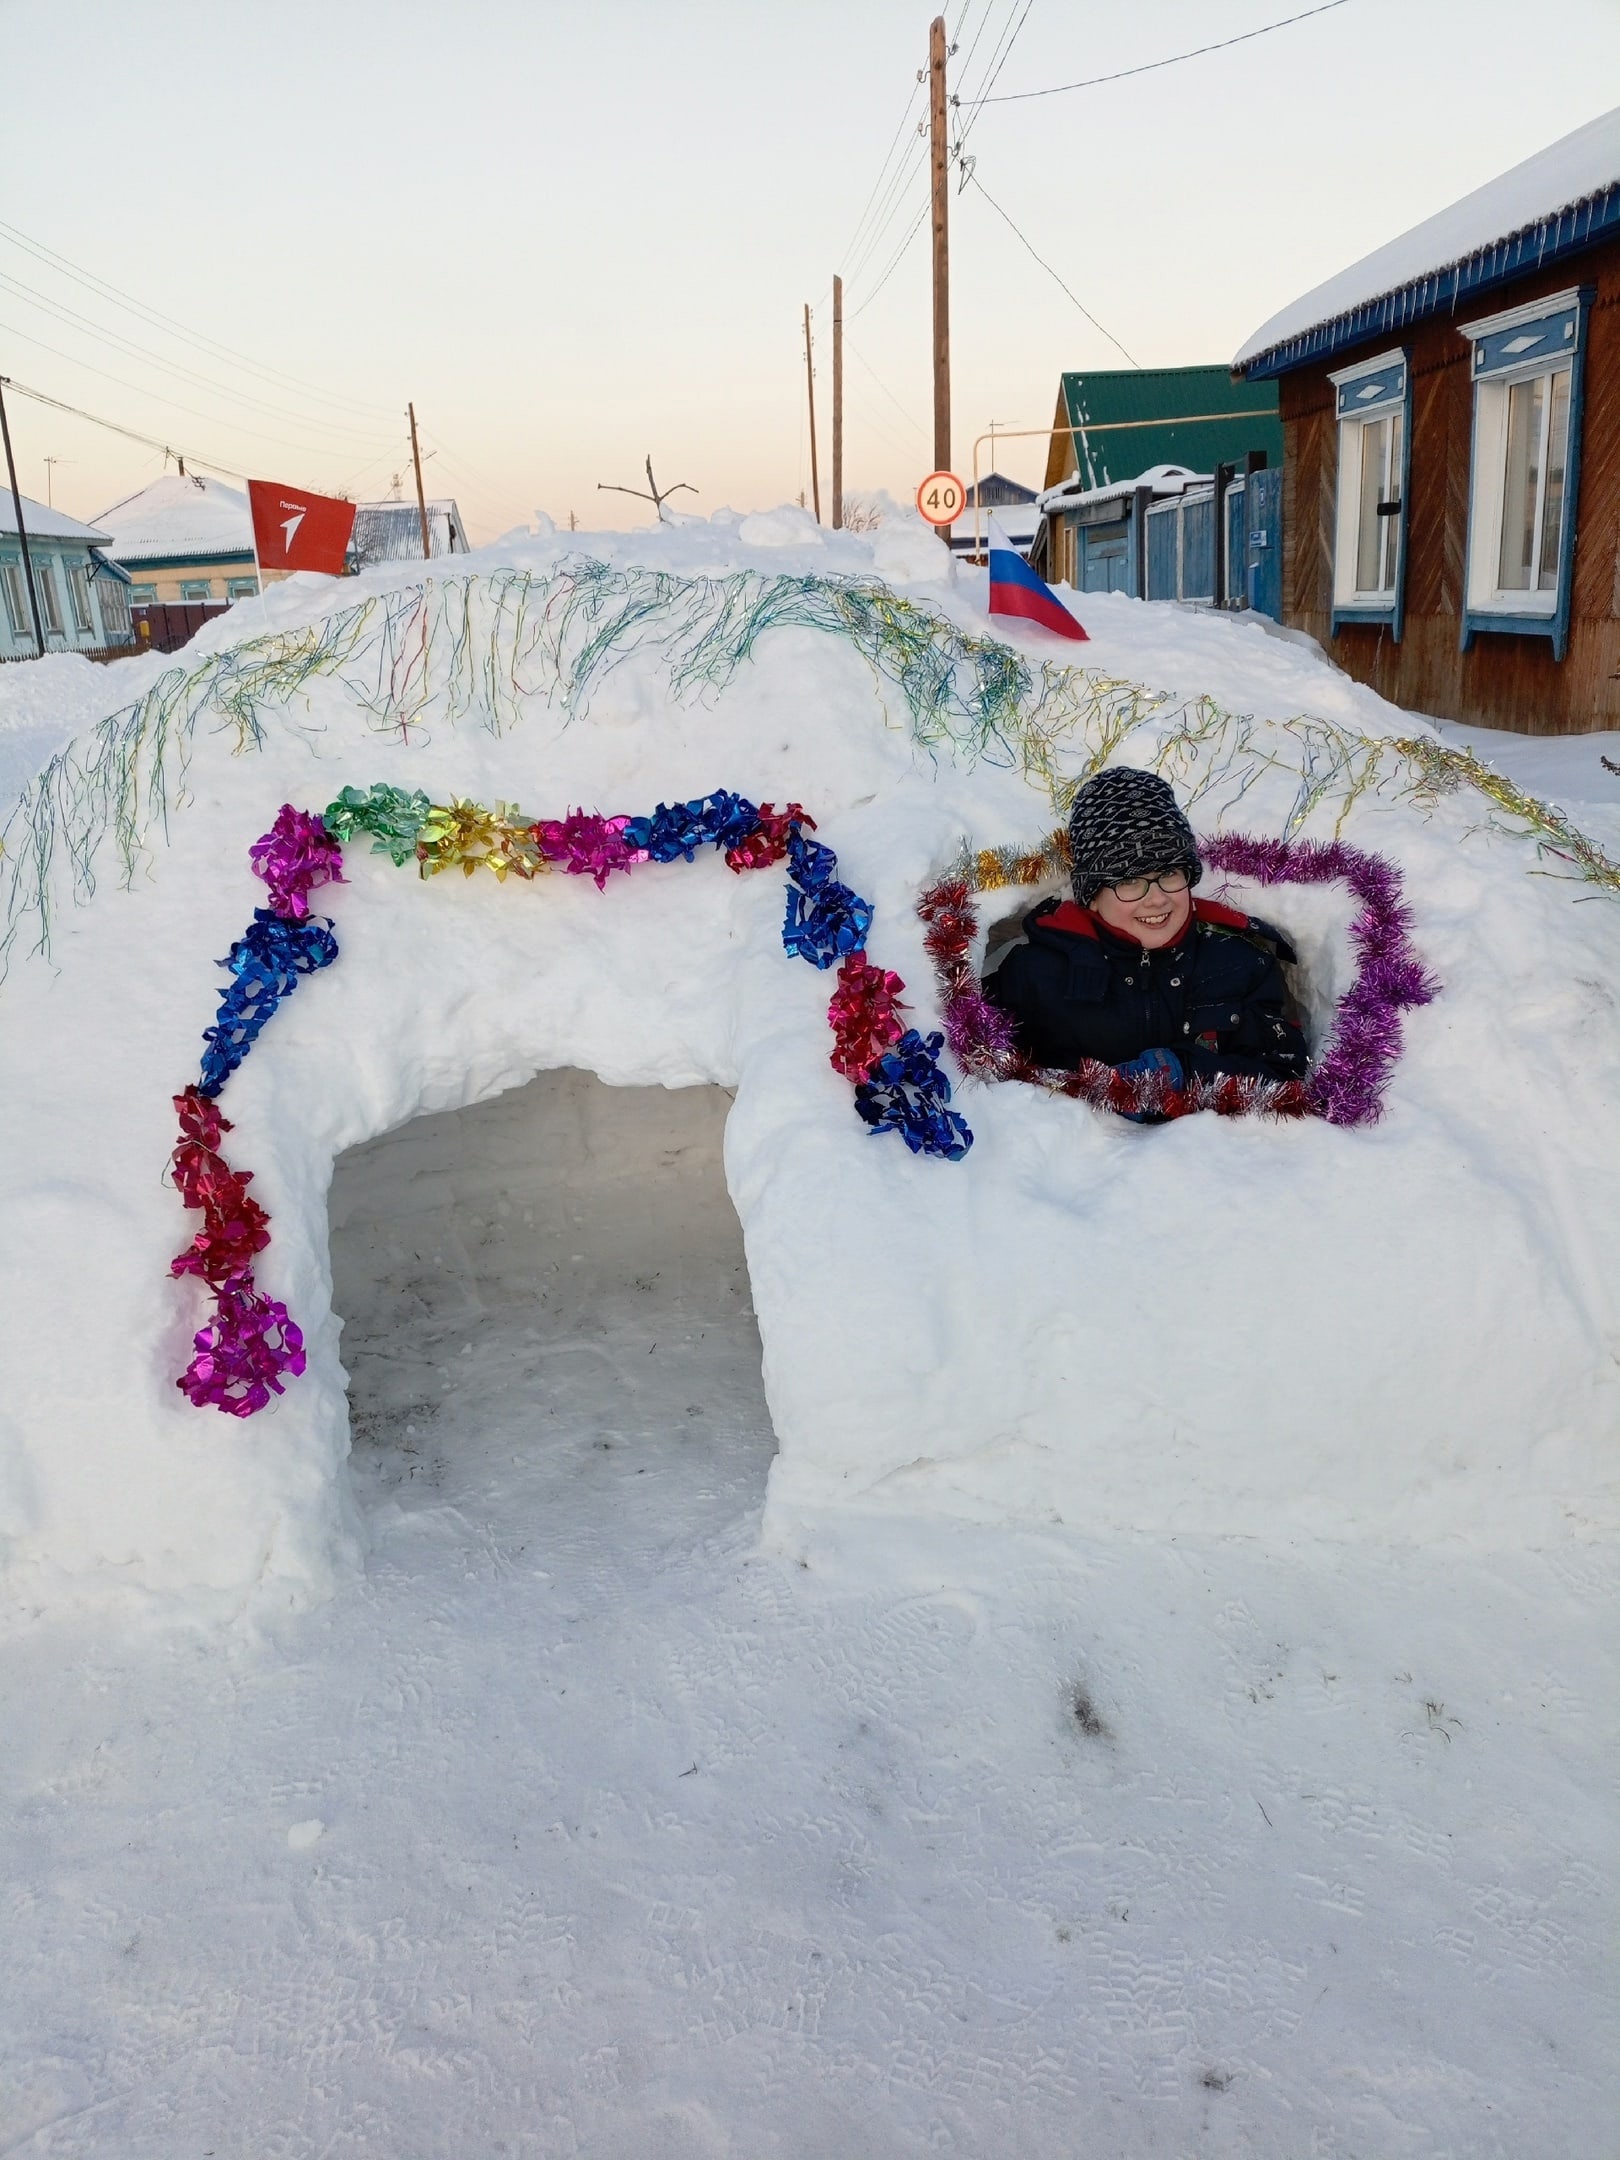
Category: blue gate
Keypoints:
(1264, 497)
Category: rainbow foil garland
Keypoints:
(251, 1343)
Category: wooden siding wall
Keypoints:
(1502, 681)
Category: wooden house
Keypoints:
(1016, 510)
(82, 599)
(1126, 445)
(1451, 426)
(186, 540)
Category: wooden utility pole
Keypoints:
(939, 147)
(421, 497)
(22, 530)
(810, 382)
(838, 405)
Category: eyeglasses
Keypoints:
(1138, 888)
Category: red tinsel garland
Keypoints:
(864, 1015)
(235, 1227)
(768, 843)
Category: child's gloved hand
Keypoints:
(1164, 1062)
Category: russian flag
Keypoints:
(1016, 590)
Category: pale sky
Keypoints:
(577, 233)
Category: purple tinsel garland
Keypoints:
(1348, 1082)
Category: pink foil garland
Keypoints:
(242, 1352)
(295, 856)
(585, 845)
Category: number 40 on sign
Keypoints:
(941, 497)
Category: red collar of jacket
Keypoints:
(1079, 921)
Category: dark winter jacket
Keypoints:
(1217, 997)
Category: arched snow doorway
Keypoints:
(549, 1280)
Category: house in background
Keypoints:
(83, 598)
(392, 532)
(1451, 420)
(1016, 509)
(1142, 479)
(184, 539)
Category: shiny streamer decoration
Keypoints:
(864, 1015)
(1347, 1083)
(485, 649)
(241, 1353)
(295, 856)
(266, 964)
(248, 1346)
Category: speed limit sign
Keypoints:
(941, 497)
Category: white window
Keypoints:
(11, 584)
(1520, 481)
(78, 577)
(1370, 524)
(241, 588)
(50, 605)
(195, 589)
(143, 596)
(114, 610)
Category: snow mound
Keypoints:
(1401, 1332)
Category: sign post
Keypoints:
(941, 499)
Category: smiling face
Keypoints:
(1153, 918)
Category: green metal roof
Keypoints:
(1170, 397)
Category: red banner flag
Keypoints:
(295, 530)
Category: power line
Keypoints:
(150, 442)
(237, 427)
(883, 170)
(998, 60)
(977, 35)
(894, 260)
(852, 347)
(1014, 97)
(346, 430)
(155, 317)
(893, 205)
(1047, 267)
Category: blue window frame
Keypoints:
(1527, 366)
(1373, 405)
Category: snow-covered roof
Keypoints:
(392, 531)
(182, 515)
(43, 523)
(1562, 198)
(1162, 479)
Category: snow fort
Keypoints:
(735, 808)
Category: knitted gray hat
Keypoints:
(1125, 824)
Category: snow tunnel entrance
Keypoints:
(546, 1289)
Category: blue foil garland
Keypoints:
(810, 865)
(718, 820)
(825, 921)
(266, 961)
(825, 926)
(906, 1093)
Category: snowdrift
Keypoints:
(1247, 1326)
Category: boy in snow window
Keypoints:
(1134, 971)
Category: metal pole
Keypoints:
(421, 498)
(838, 405)
(939, 150)
(22, 530)
(810, 380)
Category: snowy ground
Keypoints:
(585, 1827)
